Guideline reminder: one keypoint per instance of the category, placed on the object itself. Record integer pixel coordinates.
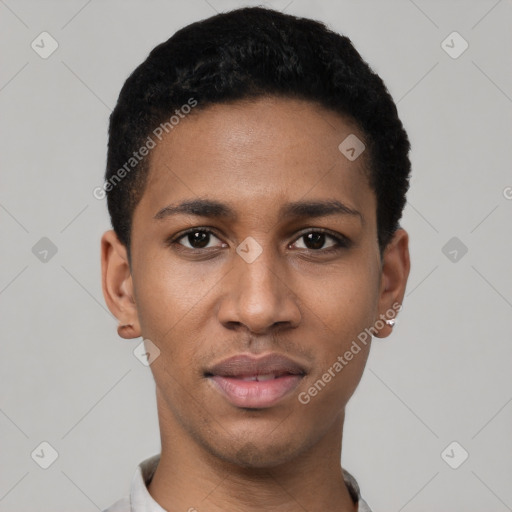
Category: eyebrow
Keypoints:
(215, 209)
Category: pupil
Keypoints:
(198, 238)
(317, 239)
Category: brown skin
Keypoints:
(295, 299)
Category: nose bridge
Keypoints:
(258, 295)
(256, 274)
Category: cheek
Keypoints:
(341, 355)
(173, 304)
(342, 311)
(346, 303)
(165, 296)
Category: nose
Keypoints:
(259, 295)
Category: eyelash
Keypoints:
(342, 242)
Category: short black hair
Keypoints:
(244, 54)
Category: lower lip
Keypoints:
(255, 394)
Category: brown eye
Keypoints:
(196, 238)
(316, 240)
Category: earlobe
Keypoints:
(117, 285)
(127, 331)
(395, 272)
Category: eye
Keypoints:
(314, 240)
(197, 238)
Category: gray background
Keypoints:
(443, 376)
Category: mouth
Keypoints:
(255, 383)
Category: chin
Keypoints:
(252, 454)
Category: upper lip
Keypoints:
(245, 365)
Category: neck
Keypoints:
(190, 477)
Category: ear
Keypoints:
(117, 285)
(394, 274)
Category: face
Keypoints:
(278, 255)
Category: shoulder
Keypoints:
(355, 492)
(138, 498)
(363, 506)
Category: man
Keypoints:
(256, 176)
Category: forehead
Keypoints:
(257, 155)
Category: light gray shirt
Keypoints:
(139, 499)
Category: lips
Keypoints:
(245, 365)
(255, 382)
